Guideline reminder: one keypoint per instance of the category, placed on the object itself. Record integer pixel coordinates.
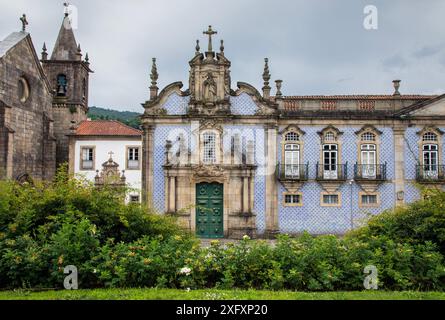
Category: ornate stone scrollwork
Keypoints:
(110, 174)
(208, 171)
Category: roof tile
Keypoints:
(106, 128)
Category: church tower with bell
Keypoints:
(68, 74)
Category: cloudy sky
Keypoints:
(316, 47)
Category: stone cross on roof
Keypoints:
(210, 33)
(24, 22)
(111, 154)
(66, 5)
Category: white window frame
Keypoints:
(88, 160)
(430, 160)
(292, 160)
(330, 169)
(133, 164)
(368, 156)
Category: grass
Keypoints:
(174, 294)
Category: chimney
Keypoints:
(278, 84)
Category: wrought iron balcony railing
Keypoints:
(430, 173)
(296, 172)
(333, 172)
(371, 172)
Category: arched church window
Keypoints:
(62, 84)
(23, 90)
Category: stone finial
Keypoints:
(197, 48)
(24, 22)
(266, 78)
(154, 78)
(396, 84)
(87, 59)
(44, 52)
(221, 47)
(278, 83)
(79, 53)
(66, 11)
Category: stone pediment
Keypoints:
(434, 107)
(110, 174)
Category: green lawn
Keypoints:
(171, 294)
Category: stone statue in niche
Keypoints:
(209, 88)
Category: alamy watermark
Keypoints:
(371, 280)
(371, 21)
(71, 281)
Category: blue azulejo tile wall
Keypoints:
(317, 219)
(253, 133)
(163, 133)
(176, 105)
(243, 105)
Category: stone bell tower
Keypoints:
(209, 81)
(68, 75)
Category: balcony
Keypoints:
(332, 172)
(370, 172)
(292, 172)
(430, 173)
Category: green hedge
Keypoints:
(44, 227)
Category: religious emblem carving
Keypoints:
(110, 174)
(208, 171)
(209, 88)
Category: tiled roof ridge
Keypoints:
(130, 130)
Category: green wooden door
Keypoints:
(209, 210)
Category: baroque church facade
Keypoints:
(41, 100)
(232, 162)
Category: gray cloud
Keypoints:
(311, 44)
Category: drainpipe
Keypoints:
(350, 204)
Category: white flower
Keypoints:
(188, 289)
(246, 237)
(94, 271)
(185, 270)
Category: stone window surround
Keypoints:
(299, 142)
(360, 142)
(337, 140)
(324, 193)
(81, 168)
(421, 143)
(299, 204)
(368, 205)
(127, 153)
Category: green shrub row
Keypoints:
(45, 227)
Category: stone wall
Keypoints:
(31, 121)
